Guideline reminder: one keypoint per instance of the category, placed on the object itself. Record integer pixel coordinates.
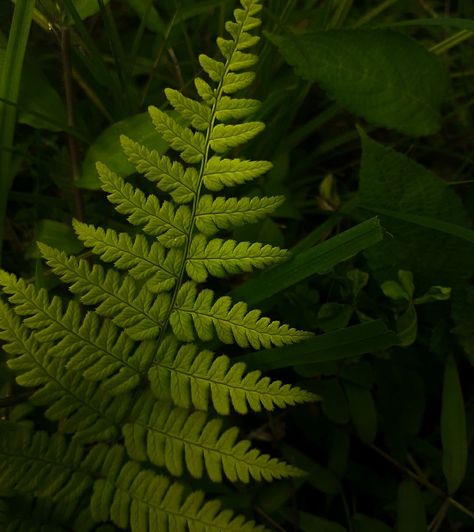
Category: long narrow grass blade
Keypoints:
(9, 88)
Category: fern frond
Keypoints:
(90, 346)
(220, 257)
(170, 226)
(170, 176)
(227, 213)
(190, 145)
(178, 439)
(139, 312)
(148, 503)
(155, 265)
(202, 316)
(220, 173)
(190, 377)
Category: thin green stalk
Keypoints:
(375, 12)
(451, 42)
(9, 89)
(340, 15)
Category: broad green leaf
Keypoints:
(332, 316)
(362, 523)
(382, 75)
(407, 326)
(394, 291)
(39, 104)
(453, 427)
(107, 149)
(334, 402)
(56, 234)
(442, 22)
(362, 410)
(337, 345)
(316, 260)
(411, 516)
(87, 8)
(389, 179)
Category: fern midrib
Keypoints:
(202, 168)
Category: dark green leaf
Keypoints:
(382, 75)
(453, 427)
(362, 410)
(389, 179)
(411, 515)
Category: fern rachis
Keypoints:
(127, 375)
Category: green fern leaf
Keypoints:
(179, 439)
(95, 348)
(84, 409)
(196, 113)
(194, 378)
(137, 310)
(163, 221)
(150, 502)
(220, 173)
(151, 263)
(214, 69)
(235, 82)
(227, 257)
(227, 213)
(228, 108)
(224, 137)
(202, 316)
(191, 146)
(205, 91)
(42, 466)
(169, 176)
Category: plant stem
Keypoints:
(375, 12)
(451, 42)
(423, 482)
(71, 121)
(9, 88)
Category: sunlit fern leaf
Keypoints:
(117, 297)
(198, 114)
(149, 502)
(142, 260)
(201, 315)
(228, 108)
(169, 176)
(170, 225)
(221, 258)
(180, 439)
(190, 377)
(191, 146)
(218, 213)
(224, 137)
(220, 173)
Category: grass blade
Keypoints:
(9, 88)
(317, 260)
(336, 345)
